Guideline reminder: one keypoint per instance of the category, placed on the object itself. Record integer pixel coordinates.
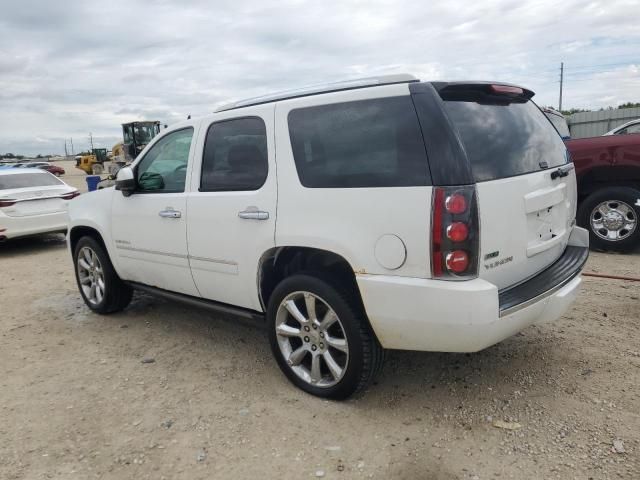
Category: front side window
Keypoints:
(127, 133)
(235, 156)
(369, 143)
(164, 167)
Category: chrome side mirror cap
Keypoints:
(126, 181)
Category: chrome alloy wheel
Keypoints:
(613, 220)
(312, 339)
(90, 275)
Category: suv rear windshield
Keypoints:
(25, 180)
(505, 140)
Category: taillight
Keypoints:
(7, 202)
(454, 233)
(70, 195)
(456, 203)
(457, 261)
(457, 232)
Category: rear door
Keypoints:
(526, 188)
(232, 205)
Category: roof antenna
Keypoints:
(189, 117)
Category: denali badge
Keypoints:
(498, 263)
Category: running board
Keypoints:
(217, 307)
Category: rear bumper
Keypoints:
(15, 227)
(434, 315)
(545, 283)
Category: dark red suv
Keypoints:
(608, 173)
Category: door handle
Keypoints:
(562, 171)
(170, 213)
(253, 214)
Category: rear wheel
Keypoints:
(611, 215)
(320, 337)
(101, 288)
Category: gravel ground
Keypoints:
(73, 176)
(166, 391)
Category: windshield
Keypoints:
(505, 140)
(144, 133)
(26, 180)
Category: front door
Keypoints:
(232, 205)
(150, 226)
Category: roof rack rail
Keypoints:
(323, 88)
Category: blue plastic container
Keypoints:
(92, 182)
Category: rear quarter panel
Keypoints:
(350, 221)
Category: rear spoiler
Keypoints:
(495, 93)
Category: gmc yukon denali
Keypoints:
(383, 213)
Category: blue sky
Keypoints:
(93, 65)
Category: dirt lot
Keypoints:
(77, 401)
(74, 176)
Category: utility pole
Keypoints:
(561, 81)
(91, 140)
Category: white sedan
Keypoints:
(32, 201)
(630, 127)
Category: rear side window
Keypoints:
(370, 143)
(561, 125)
(507, 139)
(235, 156)
(25, 180)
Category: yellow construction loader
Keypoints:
(136, 136)
(92, 164)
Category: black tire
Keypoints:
(366, 356)
(626, 195)
(117, 294)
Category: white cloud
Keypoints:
(93, 65)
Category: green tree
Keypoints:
(629, 105)
(571, 111)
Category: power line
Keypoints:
(618, 64)
(580, 68)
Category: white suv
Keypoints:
(385, 213)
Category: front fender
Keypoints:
(93, 210)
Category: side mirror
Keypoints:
(125, 181)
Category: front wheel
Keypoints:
(611, 215)
(101, 288)
(321, 338)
